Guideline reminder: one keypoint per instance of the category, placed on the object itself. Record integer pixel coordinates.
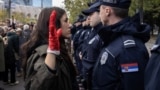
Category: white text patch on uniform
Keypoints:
(91, 41)
(104, 58)
(129, 67)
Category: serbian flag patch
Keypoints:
(129, 67)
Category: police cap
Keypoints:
(125, 4)
(79, 18)
(93, 8)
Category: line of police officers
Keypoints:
(109, 48)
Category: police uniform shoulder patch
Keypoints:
(104, 58)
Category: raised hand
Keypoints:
(54, 34)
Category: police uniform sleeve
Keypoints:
(93, 51)
(75, 39)
(124, 63)
(132, 63)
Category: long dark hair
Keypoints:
(40, 35)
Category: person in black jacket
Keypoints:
(11, 49)
(85, 31)
(123, 59)
(152, 72)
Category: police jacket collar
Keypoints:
(79, 27)
(98, 27)
(127, 26)
(86, 27)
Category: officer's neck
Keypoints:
(113, 20)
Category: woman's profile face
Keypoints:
(65, 26)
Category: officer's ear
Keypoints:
(108, 10)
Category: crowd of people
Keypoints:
(12, 36)
(108, 50)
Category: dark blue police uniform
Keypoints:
(152, 73)
(123, 59)
(76, 37)
(91, 43)
(75, 28)
(78, 43)
(88, 47)
(91, 49)
(75, 47)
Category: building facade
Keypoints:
(20, 2)
(35, 3)
(42, 3)
(29, 8)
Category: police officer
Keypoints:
(76, 32)
(92, 45)
(78, 41)
(123, 59)
(83, 35)
(77, 25)
(152, 72)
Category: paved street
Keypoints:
(21, 83)
(16, 87)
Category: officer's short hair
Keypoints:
(119, 12)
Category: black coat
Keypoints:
(11, 48)
(152, 73)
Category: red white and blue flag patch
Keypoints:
(129, 67)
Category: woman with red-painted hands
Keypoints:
(47, 65)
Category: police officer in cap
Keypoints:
(78, 40)
(81, 43)
(123, 59)
(92, 45)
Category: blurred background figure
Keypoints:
(2, 59)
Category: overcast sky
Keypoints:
(58, 3)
